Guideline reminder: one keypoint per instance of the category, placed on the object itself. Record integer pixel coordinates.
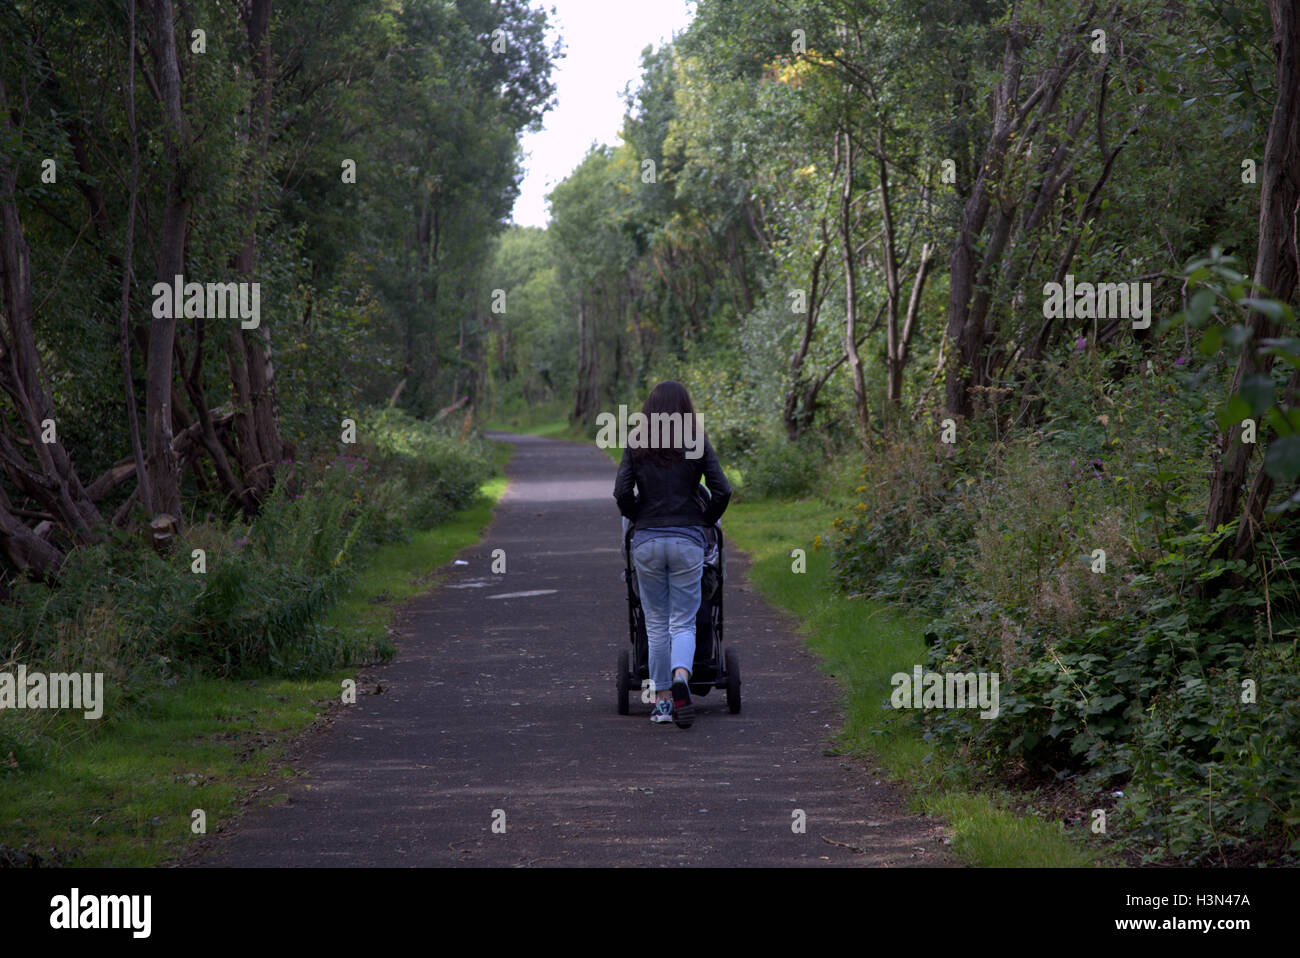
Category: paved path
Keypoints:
(502, 697)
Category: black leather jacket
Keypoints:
(665, 495)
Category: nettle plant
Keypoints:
(1220, 304)
(1210, 764)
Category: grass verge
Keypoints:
(861, 644)
(126, 796)
(550, 421)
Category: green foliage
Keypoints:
(257, 609)
(780, 469)
(727, 397)
(428, 472)
(1220, 306)
(908, 536)
(1128, 680)
(439, 111)
(532, 346)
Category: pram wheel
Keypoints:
(624, 682)
(732, 661)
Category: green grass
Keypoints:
(124, 796)
(991, 835)
(402, 570)
(862, 644)
(550, 420)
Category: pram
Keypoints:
(714, 668)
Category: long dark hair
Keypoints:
(668, 397)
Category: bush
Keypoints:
(1123, 683)
(779, 469)
(435, 472)
(143, 618)
(908, 537)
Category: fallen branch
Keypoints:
(124, 469)
(852, 848)
(445, 410)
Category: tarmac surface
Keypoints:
(493, 739)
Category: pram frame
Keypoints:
(718, 668)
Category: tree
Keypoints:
(161, 462)
(1275, 276)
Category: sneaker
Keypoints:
(683, 710)
(662, 713)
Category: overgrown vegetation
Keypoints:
(122, 795)
(259, 605)
(1121, 682)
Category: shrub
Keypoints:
(907, 538)
(1125, 683)
(144, 618)
(779, 469)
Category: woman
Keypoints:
(668, 540)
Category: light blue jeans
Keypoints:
(668, 572)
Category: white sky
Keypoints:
(603, 42)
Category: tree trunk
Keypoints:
(893, 370)
(1275, 276)
(22, 375)
(965, 330)
(24, 549)
(850, 294)
(257, 427)
(580, 393)
(236, 489)
(900, 342)
(795, 412)
(128, 249)
(162, 465)
(974, 274)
